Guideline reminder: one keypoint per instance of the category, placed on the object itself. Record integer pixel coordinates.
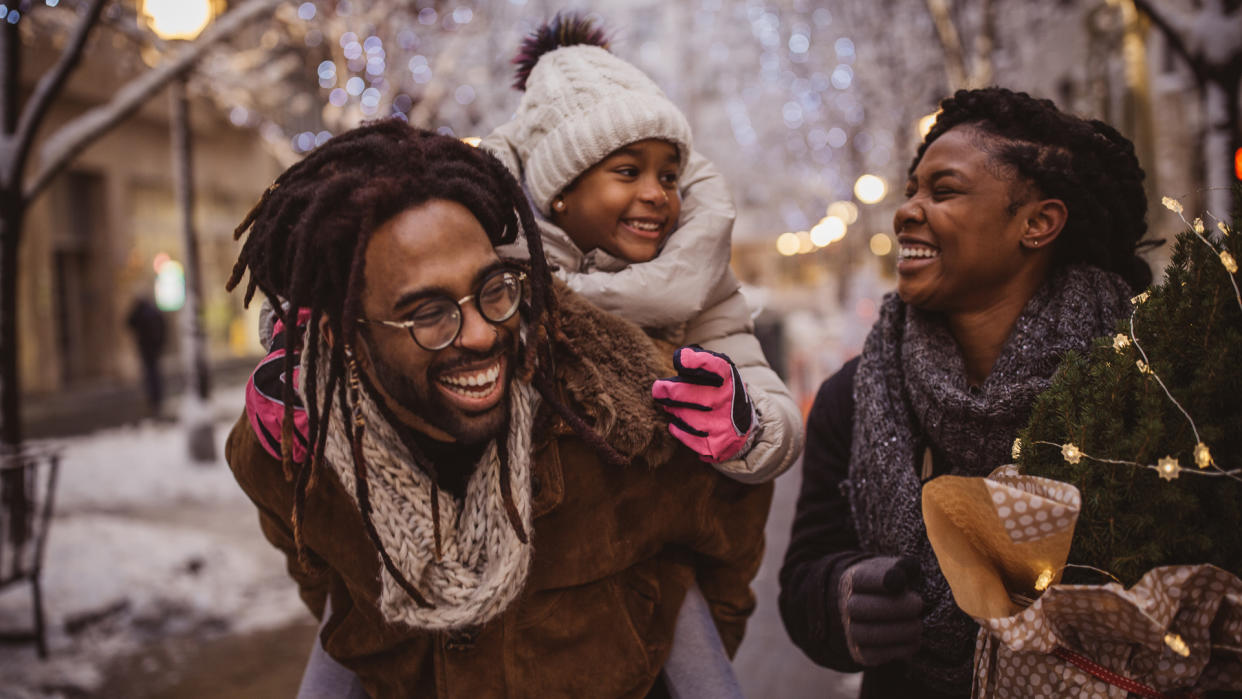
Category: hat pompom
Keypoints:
(570, 29)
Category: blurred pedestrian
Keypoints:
(1018, 243)
(150, 335)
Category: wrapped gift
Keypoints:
(1002, 542)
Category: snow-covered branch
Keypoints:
(79, 133)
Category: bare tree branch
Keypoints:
(52, 82)
(1172, 34)
(951, 42)
(981, 67)
(75, 136)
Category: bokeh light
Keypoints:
(787, 244)
(870, 189)
(926, 123)
(845, 210)
(829, 230)
(881, 244)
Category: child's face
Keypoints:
(626, 203)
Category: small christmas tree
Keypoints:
(1148, 424)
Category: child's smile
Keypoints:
(626, 204)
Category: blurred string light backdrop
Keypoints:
(792, 99)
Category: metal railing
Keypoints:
(27, 497)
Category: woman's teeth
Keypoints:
(907, 253)
(474, 382)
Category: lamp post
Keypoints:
(183, 20)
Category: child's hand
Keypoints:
(265, 396)
(707, 400)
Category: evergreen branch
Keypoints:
(1150, 370)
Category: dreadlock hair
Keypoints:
(1085, 163)
(306, 244)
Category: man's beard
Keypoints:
(429, 404)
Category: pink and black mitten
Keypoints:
(265, 396)
(707, 400)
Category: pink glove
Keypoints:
(264, 397)
(707, 400)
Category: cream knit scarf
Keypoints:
(484, 565)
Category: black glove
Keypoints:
(882, 616)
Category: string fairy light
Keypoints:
(1226, 259)
(1173, 640)
(1167, 468)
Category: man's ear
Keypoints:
(1045, 219)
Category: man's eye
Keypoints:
(434, 315)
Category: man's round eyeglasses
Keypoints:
(435, 323)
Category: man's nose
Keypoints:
(477, 333)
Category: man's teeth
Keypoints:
(651, 226)
(918, 252)
(480, 378)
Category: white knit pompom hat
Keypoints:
(582, 103)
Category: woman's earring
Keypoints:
(558, 204)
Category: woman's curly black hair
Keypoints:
(1085, 163)
(305, 246)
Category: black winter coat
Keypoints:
(824, 543)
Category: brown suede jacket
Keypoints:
(614, 549)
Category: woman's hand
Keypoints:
(707, 401)
(882, 616)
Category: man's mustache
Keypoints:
(467, 357)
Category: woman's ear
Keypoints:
(1045, 220)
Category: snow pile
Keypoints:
(145, 545)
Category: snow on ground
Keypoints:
(144, 545)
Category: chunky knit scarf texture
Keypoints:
(911, 393)
(484, 564)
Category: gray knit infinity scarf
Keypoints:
(911, 393)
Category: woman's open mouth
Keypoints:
(914, 256)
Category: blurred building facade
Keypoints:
(93, 237)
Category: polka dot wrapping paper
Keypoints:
(990, 538)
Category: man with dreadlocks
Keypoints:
(487, 503)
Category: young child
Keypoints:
(606, 158)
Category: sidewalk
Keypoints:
(85, 408)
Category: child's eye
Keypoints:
(627, 171)
(669, 178)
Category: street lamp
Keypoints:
(177, 19)
(183, 20)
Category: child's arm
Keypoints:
(682, 280)
(725, 329)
